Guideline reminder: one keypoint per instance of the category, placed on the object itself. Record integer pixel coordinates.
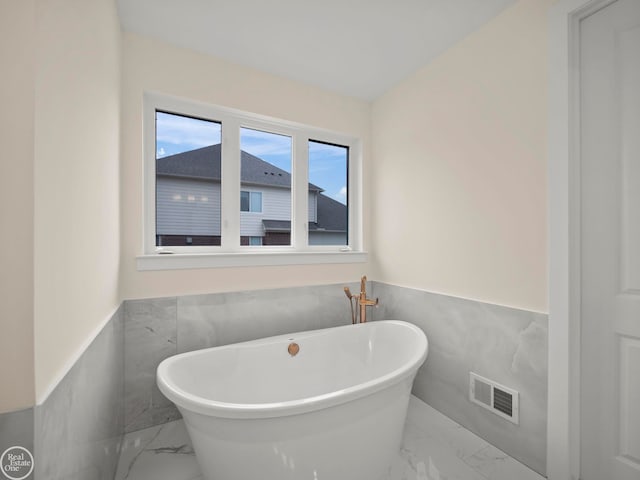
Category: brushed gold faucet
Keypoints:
(361, 300)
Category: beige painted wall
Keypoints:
(459, 167)
(17, 50)
(76, 144)
(150, 65)
(456, 167)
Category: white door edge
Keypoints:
(563, 409)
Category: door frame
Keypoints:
(563, 418)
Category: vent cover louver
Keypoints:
(494, 397)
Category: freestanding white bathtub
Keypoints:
(335, 410)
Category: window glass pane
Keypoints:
(256, 202)
(265, 175)
(244, 201)
(250, 201)
(328, 194)
(187, 180)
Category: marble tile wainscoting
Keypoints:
(506, 345)
(111, 389)
(79, 427)
(16, 430)
(158, 328)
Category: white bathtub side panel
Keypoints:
(353, 441)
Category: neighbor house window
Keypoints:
(220, 180)
(250, 201)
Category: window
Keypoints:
(265, 163)
(328, 194)
(187, 180)
(222, 183)
(250, 201)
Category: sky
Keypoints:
(327, 163)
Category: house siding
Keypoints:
(191, 207)
(276, 205)
(327, 238)
(187, 207)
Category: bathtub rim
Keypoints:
(209, 407)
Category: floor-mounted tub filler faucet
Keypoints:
(361, 300)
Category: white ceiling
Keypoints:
(359, 48)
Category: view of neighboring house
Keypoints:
(188, 203)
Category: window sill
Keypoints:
(182, 261)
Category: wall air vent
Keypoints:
(500, 400)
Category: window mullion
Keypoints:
(230, 185)
(300, 194)
(355, 197)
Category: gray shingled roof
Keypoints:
(204, 163)
(332, 215)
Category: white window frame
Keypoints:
(230, 253)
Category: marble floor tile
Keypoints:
(497, 465)
(434, 448)
(162, 452)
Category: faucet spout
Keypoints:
(361, 300)
(363, 287)
(364, 301)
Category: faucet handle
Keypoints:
(369, 302)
